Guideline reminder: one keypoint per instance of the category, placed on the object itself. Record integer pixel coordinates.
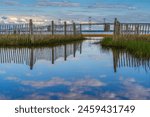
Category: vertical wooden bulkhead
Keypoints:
(81, 29)
(65, 28)
(116, 29)
(74, 29)
(52, 27)
(31, 27)
(31, 31)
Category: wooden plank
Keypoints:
(52, 27)
(31, 26)
(65, 28)
(80, 28)
(74, 29)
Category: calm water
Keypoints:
(73, 71)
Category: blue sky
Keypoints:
(125, 10)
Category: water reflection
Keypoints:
(122, 58)
(30, 56)
(97, 73)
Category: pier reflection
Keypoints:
(122, 58)
(30, 56)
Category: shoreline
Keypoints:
(37, 40)
(138, 47)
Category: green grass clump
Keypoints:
(132, 37)
(139, 47)
(37, 40)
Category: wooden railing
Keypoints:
(31, 28)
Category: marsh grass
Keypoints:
(137, 45)
(37, 40)
(132, 37)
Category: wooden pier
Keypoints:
(96, 29)
(129, 29)
(32, 28)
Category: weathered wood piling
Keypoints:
(130, 29)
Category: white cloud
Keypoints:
(24, 19)
(2, 72)
(112, 6)
(103, 76)
(10, 3)
(12, 78)
(42, 84)
(47, 3)
(87, 82)
(133, 91)
(28, 74)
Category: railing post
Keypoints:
(31, 27)
(115, 23)
(65, 28)
(52, 27)
(74, 29)
(116, 28)
(80, 28)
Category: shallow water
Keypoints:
(80, 70)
